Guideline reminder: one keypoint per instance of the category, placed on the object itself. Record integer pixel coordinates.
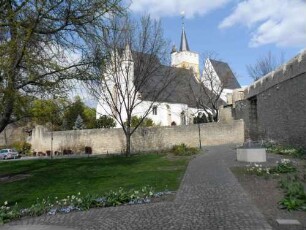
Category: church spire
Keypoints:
(184, 43)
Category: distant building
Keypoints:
(180, 106)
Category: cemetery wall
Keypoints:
(103, 141)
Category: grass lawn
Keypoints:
(94, 175)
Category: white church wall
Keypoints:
(166, 113)
(210, 77)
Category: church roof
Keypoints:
(225, 74)
(177, 85)
(184, 43)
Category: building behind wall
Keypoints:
(181, 105)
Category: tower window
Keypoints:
(154, 110)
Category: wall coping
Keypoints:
(293, 68)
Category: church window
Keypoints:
(154, 110)
(183, 118)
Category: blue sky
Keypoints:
(239, 32)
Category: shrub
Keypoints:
(22, 147)
(105, 122)
(184, 150)
(201, 118)
(147, 122)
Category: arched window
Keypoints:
(168, 115)
(183, 118)
(154, 110)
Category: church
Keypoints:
(178, 101)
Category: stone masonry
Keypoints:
(274, 107)
(104, 141)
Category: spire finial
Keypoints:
(183, 18)
(184, 44)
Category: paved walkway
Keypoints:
(209, 197)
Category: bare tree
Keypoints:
(131, 78)
(206, 91)
(264, 65)
(38, 40)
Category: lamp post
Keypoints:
(52, 127)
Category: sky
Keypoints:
(238, 32)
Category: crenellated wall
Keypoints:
(296, 67)
(274, 107)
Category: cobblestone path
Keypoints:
(209, 197)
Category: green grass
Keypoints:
(95, 175)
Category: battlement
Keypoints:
(293, 68)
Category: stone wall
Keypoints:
(274, 106)
(11, 134)
(104, 141)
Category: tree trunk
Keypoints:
(128, 141)
(8, 105)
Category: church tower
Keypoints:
(184, 58)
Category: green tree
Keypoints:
(76, 108)
(90, 117)
(105, 122)
(71, 113)
(48, 112)
(45, 43)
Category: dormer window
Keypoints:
(154, 110)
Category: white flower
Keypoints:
(285, 161)
(5, 203)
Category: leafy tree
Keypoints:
(89, 115)
(43, 44)
(105, 122)
(71, 113)
(48, 112)
(76, 108)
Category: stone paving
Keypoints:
(209, 197)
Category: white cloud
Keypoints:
(280, 22)
(158, 8)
